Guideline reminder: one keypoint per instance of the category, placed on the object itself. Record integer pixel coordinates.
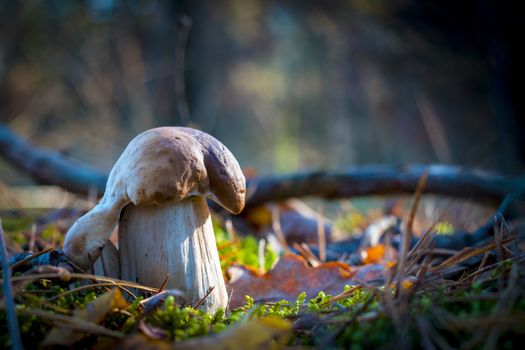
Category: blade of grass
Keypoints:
(407, 231)
(12, 320)
(469, 252)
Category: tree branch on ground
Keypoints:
(52, 168)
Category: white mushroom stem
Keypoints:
(175, 239)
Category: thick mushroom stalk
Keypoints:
(160, 183)
(189, 254)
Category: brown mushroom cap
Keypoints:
(168, 164)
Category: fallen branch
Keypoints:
(49, 167)
(52, 168)
(383, 179)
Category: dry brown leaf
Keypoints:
(291, 276)
(95, 312)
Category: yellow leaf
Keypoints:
(257, 333)
(95, 312)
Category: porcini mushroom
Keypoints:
(158, 189)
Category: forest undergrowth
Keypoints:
(426, 298)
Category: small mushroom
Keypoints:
(158, 190)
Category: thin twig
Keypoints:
(321, 234)
(12, 320)
(163, 284)
(85, 276)
(276, 227)
(490, 267)
(199, 303)
(72, 323)
(29, 258)
(88, 286)
(306, 253)
(314, 261)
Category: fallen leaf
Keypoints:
(258, 333)
(95, 312)
(290, 276)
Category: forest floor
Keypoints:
(282, 295)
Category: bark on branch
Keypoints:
(52, 168)
(383, 179)
(49, 167)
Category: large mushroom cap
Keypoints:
(168, 164)
(159, 166)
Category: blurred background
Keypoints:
(286, 85)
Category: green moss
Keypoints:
(359, 321)
(183, 322)
(243, 251)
